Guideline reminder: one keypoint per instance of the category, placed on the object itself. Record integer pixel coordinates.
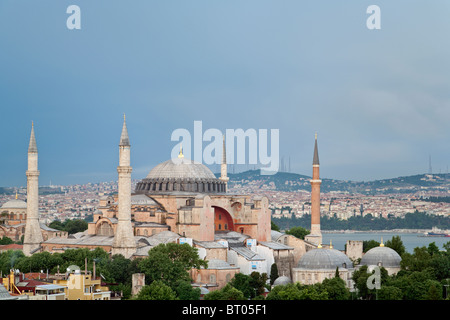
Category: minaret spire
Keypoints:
(33, 235)
(316, 235)
(32, 147)
(316, 152)
(223, 166)
(124, 242)
(124, 140)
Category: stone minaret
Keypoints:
(33, 236)
(223, 166)
(124, 242)
(315, 236)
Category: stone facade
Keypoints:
(354, 249)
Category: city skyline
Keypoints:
(378, 99)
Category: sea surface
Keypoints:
(410, 240)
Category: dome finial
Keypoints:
(16, 194)
(331, 245)
(319, 246)
(381, 244)
(180, 155)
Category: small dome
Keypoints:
(381, 256)
(180, 168)
(14, 204)
(282, 280)
(324, 259)
(143, 200)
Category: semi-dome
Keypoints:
(14, 204)
(381, 256)
(324, 259)
(180, 174)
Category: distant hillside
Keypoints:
(284, 181)
(42, 190)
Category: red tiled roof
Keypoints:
(34, 275)
(12, 246)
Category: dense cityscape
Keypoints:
(81, 201)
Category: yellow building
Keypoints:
(82, 287)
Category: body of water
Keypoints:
(410, 240)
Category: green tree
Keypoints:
(313, 292)
(274, 227)
(433, 249)
(56, 224)
(71, 226)
(369, 244)
(296, 291)
(414, 285)
(360, 278)
(419, 260)
(117, 269)
(75, 226)
(185, 291)
(389, 293)
(273, 273)
(5, 240)
(441, 266)
(434, 291)
(258, 283)
(250, 285)
(336, 289)
(289, 291)
(241, 282)
(396, 244)
(157, 290)
(170, 262)
(226, 293)
(11, 260)
(298, 232)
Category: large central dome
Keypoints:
(180, 168)
(180, 174)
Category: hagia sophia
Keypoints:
(182, 201)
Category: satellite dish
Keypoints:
(73, 268)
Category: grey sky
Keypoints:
(379, 99)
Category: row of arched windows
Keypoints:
(189, 186)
